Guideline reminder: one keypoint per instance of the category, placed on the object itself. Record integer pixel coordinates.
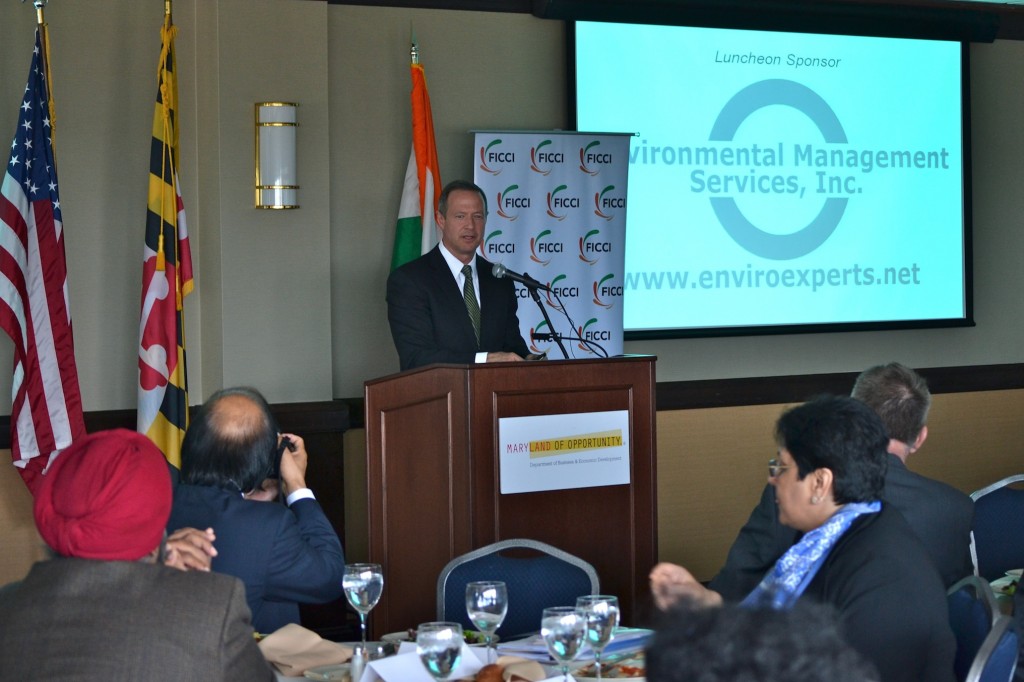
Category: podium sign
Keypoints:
(563, 451)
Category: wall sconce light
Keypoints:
(276, 185)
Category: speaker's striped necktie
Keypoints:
(472, 307)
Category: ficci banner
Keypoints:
(556, 206)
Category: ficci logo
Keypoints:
(536, 346)
(590, 332)
(559, 204)
(559, 289)
(603, 290)
(603, 203)
(508, 202)
(492, 160)
(589, 157)
(589, 246)
(537, 247)
(541, 160)
(483, 248)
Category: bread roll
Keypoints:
(491, 672)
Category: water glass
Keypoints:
(563, 628)
(363, 584)
(439, 646)
(601, 615)
(486, 605)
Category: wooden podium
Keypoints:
(434, 490)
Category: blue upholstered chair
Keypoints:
(997, 534)
(997, 659)
(536, 574)
(972, 611)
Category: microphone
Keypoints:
(500, 271)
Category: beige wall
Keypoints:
(712, 465)
(293, 301)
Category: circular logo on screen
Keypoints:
(738, 226)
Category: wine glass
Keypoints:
(487, 604)
(601, 615)
(439, 646)
(363, 584)
(562, 628)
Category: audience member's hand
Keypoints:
(190, 549)
(670, 583)
(268, 491)
(293, 465)
(503, 357)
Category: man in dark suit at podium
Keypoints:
(446, 306)
(939, 514)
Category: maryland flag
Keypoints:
(416, 232)
(166, 274)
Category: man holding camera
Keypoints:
(233, 459)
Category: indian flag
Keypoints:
(416, 232)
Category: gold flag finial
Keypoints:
(39, 5)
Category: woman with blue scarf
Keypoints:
(857, 554)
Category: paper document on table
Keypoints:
(407, 667)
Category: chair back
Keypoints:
(997, 533)
(997, 659)
(972, 610)
(537, 578)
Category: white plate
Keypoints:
(1015, 573)
(396, 638)
(338, 671)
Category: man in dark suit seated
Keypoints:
(104, 608)
(939, 514)
(285, 555)
(446, 306)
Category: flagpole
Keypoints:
(45, 35)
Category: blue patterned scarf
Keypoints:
(793, 572)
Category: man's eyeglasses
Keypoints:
(775, 467)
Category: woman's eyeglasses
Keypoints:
(776, 467)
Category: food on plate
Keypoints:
(491, 672)
(630, 668)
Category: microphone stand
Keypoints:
(544, 312)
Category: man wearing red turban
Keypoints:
(105, 608)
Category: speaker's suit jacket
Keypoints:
(106, 621)
(939, 514)
(283, 555)
(428, 317)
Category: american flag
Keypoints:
(46, 410)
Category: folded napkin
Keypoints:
(293, 649)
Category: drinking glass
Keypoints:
(562, 628)
(363, 584)
(439, 646)
(601, 615)
(487, 604)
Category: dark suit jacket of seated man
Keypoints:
(103, 609)
(285, 555)
(939, 514)
(426, 308)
